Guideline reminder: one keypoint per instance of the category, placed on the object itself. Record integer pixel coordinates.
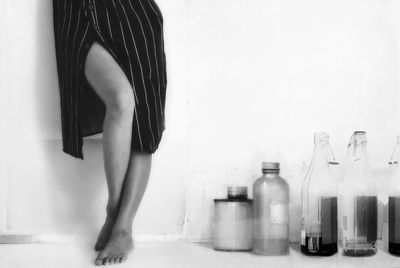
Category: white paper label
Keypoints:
(303, 238)
(279, 212)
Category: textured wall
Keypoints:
(248, 82)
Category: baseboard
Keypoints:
(16, 238)
(28, 238)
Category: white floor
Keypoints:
(175, 255)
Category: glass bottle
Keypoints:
(271, 212)
(359, 201)
(394, 203)
(319, 228)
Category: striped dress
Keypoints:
(132, 32)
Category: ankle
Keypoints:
(112, 209)
(111, 216)
(122, 227)
(122, 231)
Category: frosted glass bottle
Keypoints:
(319, 228)
(271, 212)
(359, 201)
(394, 203)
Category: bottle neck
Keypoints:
(360, 153)
(270, 171)
(357, 149)
(323, 154)
(394, 160)
(320, 154)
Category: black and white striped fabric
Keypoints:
(132, 32)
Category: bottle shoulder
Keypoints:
(322, 181)
(270, 181)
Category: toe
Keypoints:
(107, 261)
(119, 258)
(98, 261)
(115, 259)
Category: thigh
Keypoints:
(105, 75)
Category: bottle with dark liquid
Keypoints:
(394, 203)
(319, 229)
(359, 202)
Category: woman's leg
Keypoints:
(135, 184)
(111, 85)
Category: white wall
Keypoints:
(248, 81)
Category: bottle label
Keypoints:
(313, 243)
(303, 238)
(366, 210)
(279, 212)
(324, 229)
(302, 232)
(328, 217)
(394, 219)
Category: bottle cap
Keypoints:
(359, 132)
(270, 166)
(359, 137)
(237, 191)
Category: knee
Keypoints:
(121, 103)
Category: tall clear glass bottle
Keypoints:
(359, 201)
(394, 203)
(271, 212)
(319, 228)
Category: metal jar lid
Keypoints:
(360, 132)
(235, 194)
(270, 166)
(237, 191)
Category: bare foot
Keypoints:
(117, 249)
(105, 232)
